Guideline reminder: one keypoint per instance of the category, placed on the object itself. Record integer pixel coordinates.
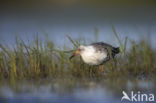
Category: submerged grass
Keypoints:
(42, 60)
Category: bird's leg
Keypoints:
(102, 68)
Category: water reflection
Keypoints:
(72, 90)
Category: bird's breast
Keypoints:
(94, 58)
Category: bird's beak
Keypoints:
(77, 52)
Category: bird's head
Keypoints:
(78, 51)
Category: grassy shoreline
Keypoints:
(43, 60)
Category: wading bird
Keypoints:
(96, 53)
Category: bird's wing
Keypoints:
(100, 46)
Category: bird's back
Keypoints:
(104, 47)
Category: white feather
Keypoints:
(91, 56)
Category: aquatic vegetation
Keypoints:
(41, 59)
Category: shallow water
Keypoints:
(41, 96)
(73, 91)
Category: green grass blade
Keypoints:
(116, 35)
(72, 41)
